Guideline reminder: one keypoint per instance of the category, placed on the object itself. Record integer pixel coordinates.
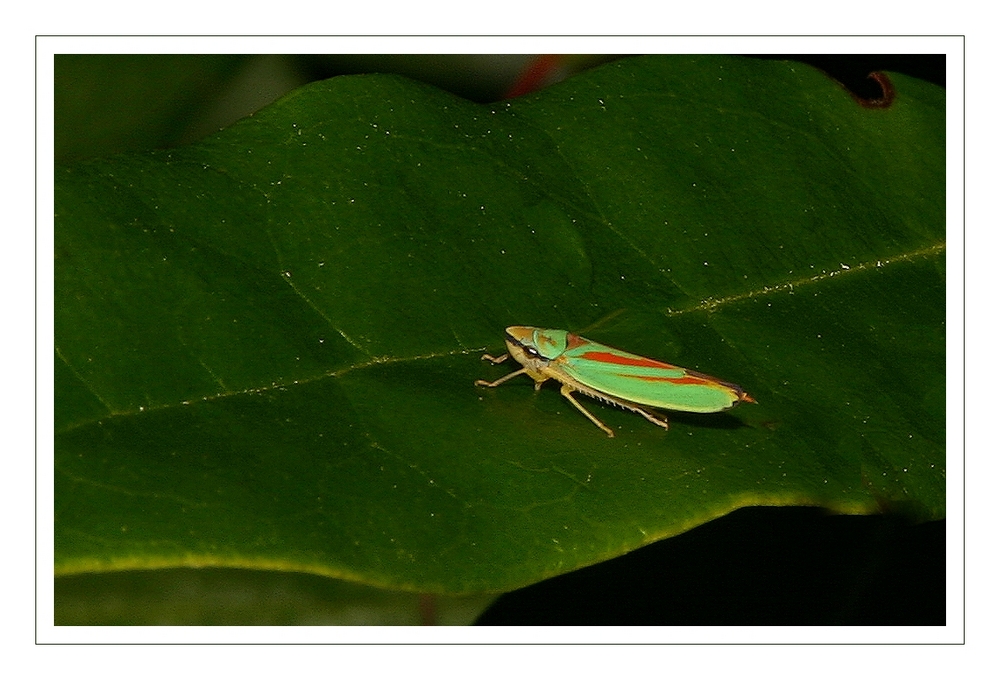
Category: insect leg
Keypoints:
(651, 416)
(661, 421)
(487, 383)
(566, 391)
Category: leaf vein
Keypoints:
(712, 303)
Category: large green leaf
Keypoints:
(266, 342)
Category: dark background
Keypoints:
(755, 566)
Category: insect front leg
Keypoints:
(487, 383)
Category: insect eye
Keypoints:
(531, 352)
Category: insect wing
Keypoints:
(644, 381)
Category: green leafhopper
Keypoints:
(627, 380)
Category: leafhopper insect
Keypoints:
(627, 380)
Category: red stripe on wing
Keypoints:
(684, 380)
(617, 359)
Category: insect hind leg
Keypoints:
(661, 420)
(567, 392)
